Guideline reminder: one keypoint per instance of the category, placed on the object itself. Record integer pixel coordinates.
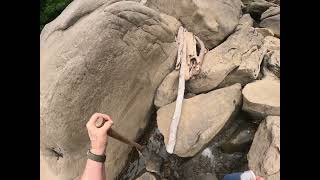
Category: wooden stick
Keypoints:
(179, 40)
(176, 116)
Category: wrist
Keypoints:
(98, 151)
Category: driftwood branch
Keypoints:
(176, 116)
(189, 64)
(199, 59)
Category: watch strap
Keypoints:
(97, 158)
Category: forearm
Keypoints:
(94, 171)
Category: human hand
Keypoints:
(259, 178)
(98, 136)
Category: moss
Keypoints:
(50, 9)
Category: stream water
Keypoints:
(212, 159)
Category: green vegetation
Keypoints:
(50, 9)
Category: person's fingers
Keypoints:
(259, 178)
(106, 117)
(107, 125)
(93, 119)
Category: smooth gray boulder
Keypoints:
(110, 60)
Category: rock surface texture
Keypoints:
(111, 60)
(168, 90)
(264, 154)
(202, 118)
(262, 98)
(118, 57)
(147, 176)
(271, 19)
(211, 20)
(240, 54)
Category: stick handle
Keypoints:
(114, 134)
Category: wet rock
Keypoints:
(243, 48)
(271, 19)
(168, 90)
(262, 98)
(264, 31)
(147, 176)
(240, 140)
(211, 20)
(153, 162)
(264, 154)
(218, 105)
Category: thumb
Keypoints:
(107, 125)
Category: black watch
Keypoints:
(97, 158)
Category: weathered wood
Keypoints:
(179, 41)
(199, 58)
(176, 116)
(189, 64)
(191, 54)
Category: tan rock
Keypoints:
(264, 31)
(111, 61)
(168, 90)
(271, 19)
(211, 20)
(240, 49)
(147, 176)
(262, 98)
(272, 56)
(202, 117)
(264, 154)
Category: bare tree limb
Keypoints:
(176, 116)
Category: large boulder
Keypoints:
(240, 54)
(264, 154)
(262, 98)
(211, 20)
(202, 117)
(271, 19)
(111, 60)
